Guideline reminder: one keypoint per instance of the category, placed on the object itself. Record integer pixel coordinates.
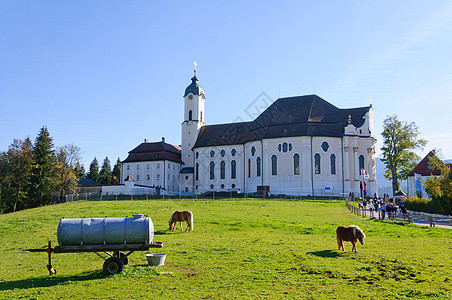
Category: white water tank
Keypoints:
(105, 231)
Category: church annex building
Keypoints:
(300, 145)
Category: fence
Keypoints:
(409, 216)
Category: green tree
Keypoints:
(440, 188)
(67, 157)
(93, 173)
(105, 172)
(79, 170)
(116, 174)
(399, 141)
(42, 179)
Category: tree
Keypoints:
(93, 173)
(67, 157)
(399, 141)
(116, 174)
(440, 188)
(79, 170)
(105, 172)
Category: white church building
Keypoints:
(299, 145)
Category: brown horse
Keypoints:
(351, 234)
(181, 216)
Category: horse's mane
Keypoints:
(358, 229)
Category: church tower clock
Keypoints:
(194, 99)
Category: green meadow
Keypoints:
(245, 249)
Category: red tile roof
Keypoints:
(424, 169)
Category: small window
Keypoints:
(148, 177)
(361, 162)
(128, 168)
(186, 189)
(212, 186)
(222, 153)
(222, 170)
(333, 164)
(279, 147)
(258, 167)
(212, 170)
(290, 147)
(253, 151)
(317, 163)
(197, 171)
(190, 115)
(222, 186)
(186, 177)
(158, 176)
(138, 167)
(145, 155)
(197, 155)
(233, 170)
(138, 177)
(233, 152)
(274, 165)
(196, 187)
(158, 166)
(325, 146)
(212, 153)
(148, 166)
(134, 156)
(296, 164)
(284, 147)
(169, 166)
(233, 185)
(249, 168)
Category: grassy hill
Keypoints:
(238, 249)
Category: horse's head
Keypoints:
(358, 233)
(170, 225)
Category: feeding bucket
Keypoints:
(155, 260)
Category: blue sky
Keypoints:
(105, 75)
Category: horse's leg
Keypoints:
(354, 246)
(180, 222)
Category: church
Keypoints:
(301, 146)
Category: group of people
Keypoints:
(378, 204)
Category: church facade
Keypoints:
(298, 146)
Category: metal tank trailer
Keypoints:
(115, 237)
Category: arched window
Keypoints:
(249, 168)
(333, 163)
(233, 170)
(361, 162)
(197, 171)
(274, 165)
(258, 166)
(296, 164)
(284, 147)
(253, 150)
(317, 163)
(190, 115)
(222, 170)
(212, 170)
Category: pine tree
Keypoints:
(79, 170)
(105, 172)
(42, 179)
(116, 174)
(93, 173)
(67, 157)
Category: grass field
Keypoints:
(239, 249)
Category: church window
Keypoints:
(249, 168)
(279, 147)
(333, 164)
(361, 162)
(196, 187)
(233, 169)
(148, 177)
(222, 153)
(222, 186)
(158, 166)
(197, 171)
(212, 153)
(233, 185)
(284, 147)
(253, 151)
(158, 176)
(200, 117)
(325, 146)
(128, 168)
(138, 167)
(290, 147)
(233, 152)
(274, 165)
(258, 166)
(296, 164)
(222, 170)
(212, 186)
(148, 166)
(317, 163)
(186, 177)
(190, 115)
(138, 177)
(186, 189)
(212, 170)
(169, 177)
(197, 155)
(169, 166)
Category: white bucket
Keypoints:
(155, 260)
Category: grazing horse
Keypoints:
(351, 234)
(180, 216)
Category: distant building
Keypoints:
(419, 175)
(298, 146)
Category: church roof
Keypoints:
(194, 88)
(153, 152)
(307, 115)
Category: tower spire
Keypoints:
(195, 63)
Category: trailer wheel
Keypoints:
(113, 265)
(122, 256)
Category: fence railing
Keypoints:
(410, 216)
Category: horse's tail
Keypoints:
(191, 220)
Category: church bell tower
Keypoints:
(194, 99)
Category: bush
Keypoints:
(419, 204)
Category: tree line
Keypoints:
(37, 173)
